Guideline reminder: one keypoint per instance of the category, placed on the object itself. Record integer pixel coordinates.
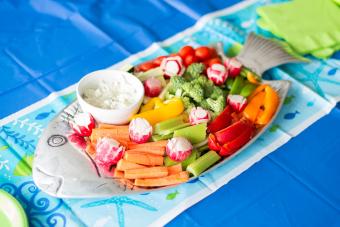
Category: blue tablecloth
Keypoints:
(48, 45)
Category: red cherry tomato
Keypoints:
(202, 53)
(213, 52)
(173, 55)
(188, 60)
(147, 66)
(158, 61)
(212, 61)
(186, 51)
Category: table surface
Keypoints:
(297, 185)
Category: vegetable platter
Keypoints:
(165, 122)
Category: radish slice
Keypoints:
(82, 124)
(140, 130)
(108, 152)
(237, 102)
(152, 87)
(199, 115)
(217, 73)
(178, 149)
(172, 66)
(77, 140)
(234, 66)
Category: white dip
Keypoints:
(116, 94)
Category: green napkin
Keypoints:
(310, 27)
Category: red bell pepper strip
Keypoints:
(231, 147)
(230, 133)
(221, 121)
(212, 143)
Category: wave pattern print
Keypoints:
(41, 210)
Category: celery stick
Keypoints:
(163, 128)
(203, 148)
(247, 89)
(192, 157)
(171, 130)
(195, 133)
(142, 76)
(169, 162)
(161, 137)
(203, 163)
(200, 144)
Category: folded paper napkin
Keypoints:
(310, 27)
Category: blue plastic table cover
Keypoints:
(48, 45)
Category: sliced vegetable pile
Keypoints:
(198, 110)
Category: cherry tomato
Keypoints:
(202, 53)
(188, 60)
(213, 52)
(173, 55)
(158, 61)
(186, 51)
(212, 61)
(147, 66)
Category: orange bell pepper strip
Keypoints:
(254, 106)
(256, 91)
(170, 109)
(271, 102)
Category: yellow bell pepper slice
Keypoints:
(254, 106)
(252, 78)
(172, 108)
(271, 102)
(153, 103)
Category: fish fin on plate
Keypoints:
(260, 54)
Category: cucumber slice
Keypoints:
(203, 163)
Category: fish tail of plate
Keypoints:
(260, 54)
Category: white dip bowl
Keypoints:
(110, 115)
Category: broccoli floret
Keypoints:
(168, 95)
(188, 103)
(217, 105)
(216, 92)
(194, 91)
(194, 70)
(176, 83)
(201, 80)
(204, 104)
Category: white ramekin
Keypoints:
(109, 116)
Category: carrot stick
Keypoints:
(123, 165)
(149, 146)
(144, 159)
(175, 169)
(127, 183)
(150, 172)
(90, 149)
(118, 174)
(158, 151)
(109, 126)
(118, 133)
(163, 181)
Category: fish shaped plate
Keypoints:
(62, 169)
